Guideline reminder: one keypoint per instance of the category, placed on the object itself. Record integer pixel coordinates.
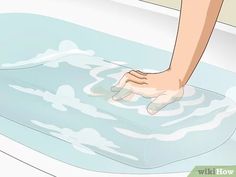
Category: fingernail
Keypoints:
(152, 109)
(152, 112)
(115, 98)
(115, 89)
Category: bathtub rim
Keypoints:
(171, 12)
(13, 148)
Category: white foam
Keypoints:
(182, 105)
(65, 97)
(181, 133)
(99, 65)
(118, 75)
(214, 105)
(53, 58)
(118, 62)
(231, 93)
(189, 91)
(94, 73)
(86, 136)
(66, 48)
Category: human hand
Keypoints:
(163, 88)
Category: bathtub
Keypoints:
(136, 21)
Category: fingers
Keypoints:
(115, 89)
(159, 103)
(138, 74)
(163, 100)
(131, 76)
(124, 92)
(132, 97)
(129, 89)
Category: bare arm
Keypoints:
(197, 21)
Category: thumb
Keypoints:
(159, 103)
(163, 100)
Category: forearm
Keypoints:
(197, 21)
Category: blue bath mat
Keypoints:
(66, 94)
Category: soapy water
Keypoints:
(65, 97)
(70, 88)
(86, 136)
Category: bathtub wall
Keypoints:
(227, 15)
